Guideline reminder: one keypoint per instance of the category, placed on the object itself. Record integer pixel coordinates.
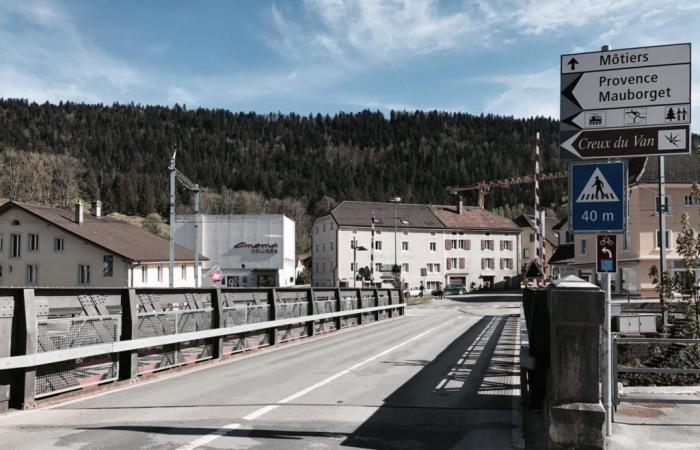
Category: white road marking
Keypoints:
(265, 409)
(204, 440)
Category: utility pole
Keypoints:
(397, 271)
(354, 261)
(171, 243)
(662, 208)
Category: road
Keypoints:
(443, 376)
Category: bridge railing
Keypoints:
(58, 340)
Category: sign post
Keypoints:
(625, 103)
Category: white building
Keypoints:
(435, 245)
(49, 247)
(250, 250)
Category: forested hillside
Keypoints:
(284, 163)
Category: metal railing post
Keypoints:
(128, 361)
(25, 388)
(7, 313)
(311, 296)
(272, 301)
(360, 306)
(376, 303)
(338, 299)
(217, 344)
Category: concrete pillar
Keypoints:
(23, 387)
(272, 302)
(575, 414)
(311, 296)
(7, 313)
(128, 361)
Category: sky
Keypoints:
(322, 56)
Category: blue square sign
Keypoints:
(597, 195)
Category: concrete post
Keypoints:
(339, 305)
(358, 292)
(272, 302)
(128, 361)
(575, 414)
(24, 386)
(217, 305)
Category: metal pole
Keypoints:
(196, 235)
(607, 353)
(354, 261)
(396, 252)
(661, 206)
(171, 246)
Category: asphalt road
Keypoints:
(444, 376)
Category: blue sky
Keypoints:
(322, 56)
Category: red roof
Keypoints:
(472, 218)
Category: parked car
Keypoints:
(411, 292)
(455, 289)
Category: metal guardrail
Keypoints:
(55, 340)
(617, 369)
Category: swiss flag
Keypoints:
(214, 274)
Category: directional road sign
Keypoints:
(640, 97)
(606, 253)
(598, 196)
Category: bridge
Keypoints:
(333, 368)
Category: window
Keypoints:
(0, 270)
(324, 227)
(462, 244)
(430, 267)
(331, 246)
(569, 236)
(83, 274)
(16, 242)
(33, 242)
(377, 245)
(507, 245)
(487, 244)
(352, 267)
(107, 266)
(667, 239)
(688, 200)
(323, 247)
(584, 246)
(331, 226)
(404, 267)
(506, 263)
(160, 274)
(433, 246)
(405, 233)
(451, 263)
(32, 273)
(532, 237)
(526, 253)
(2, 242)
(487, 263)
(183, 272)
(377, 267)
(437, 267)
(404, 246)
(144, 274)
(454, 243)
(432, 233)
(58, 244)
(404, 222)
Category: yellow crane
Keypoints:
(484, 186)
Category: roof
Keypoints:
(561, 223)
(472, 218)
(113, 235)
(529, 221)
(564, 252)
(350, 213)
(679, 169)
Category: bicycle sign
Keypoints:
(606, 254)
(598, 195)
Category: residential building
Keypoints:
(434, 245)
(49, 247)
(528, 237)
(255, 250)
(638, 248)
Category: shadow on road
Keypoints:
(202, 431)
(464, 396)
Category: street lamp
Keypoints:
(355, 249)
(396, 201)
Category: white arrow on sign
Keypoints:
(607, 251)
(645, 86)
(626, 58)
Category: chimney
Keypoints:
(97, 208)
(79, 212)
(460, 206)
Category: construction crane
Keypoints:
(483, 186)
(177, 176)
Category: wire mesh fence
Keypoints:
(61, 333)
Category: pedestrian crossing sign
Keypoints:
(598, 193)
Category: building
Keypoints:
(249, 250)
(638, 248)
(433, 245)
(41, 246)
(528, 238)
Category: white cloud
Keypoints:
(45, 57)
(526, 95)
